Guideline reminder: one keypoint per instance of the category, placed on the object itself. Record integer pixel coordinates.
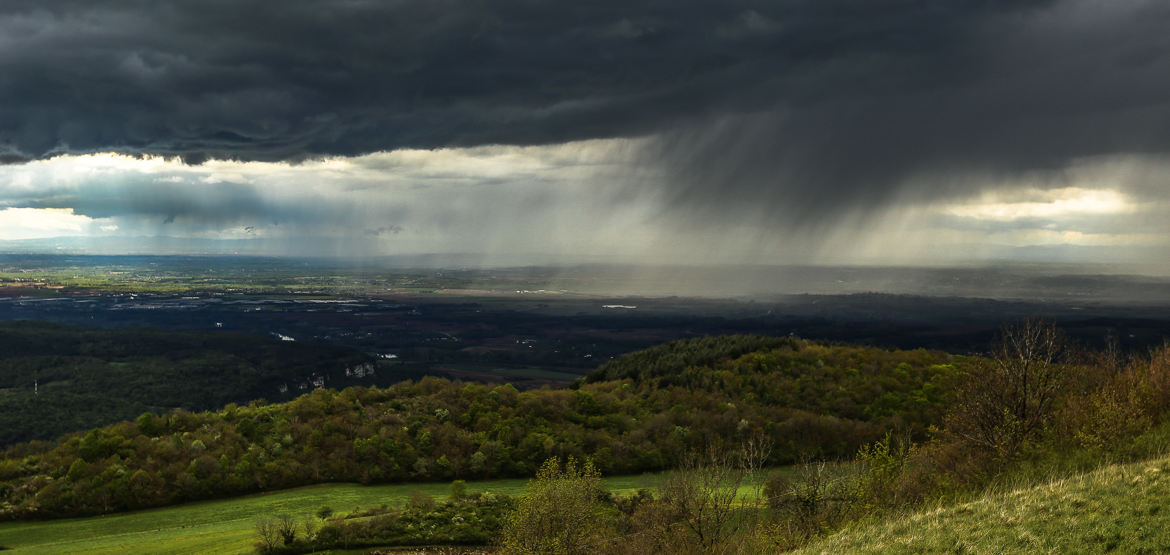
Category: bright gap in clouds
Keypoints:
(39, 223)
(1053, 204)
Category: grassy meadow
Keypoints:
(227, 526)
(1118, 508)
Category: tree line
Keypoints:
(811, 400)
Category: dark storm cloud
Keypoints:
(811, 105)
(149, 201)
(939, 108)
(257, 80)
(142, 198)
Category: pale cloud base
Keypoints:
(37, 223)
(585, 200)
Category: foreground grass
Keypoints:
(228, 526)
(1119, 508)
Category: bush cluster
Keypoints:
(474, 519)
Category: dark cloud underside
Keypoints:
(799, 102)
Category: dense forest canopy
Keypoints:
(668, 359)
(57, 378)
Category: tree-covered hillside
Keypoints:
(666, 360)
(56, 378)
(810, 400)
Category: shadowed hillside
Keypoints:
(58, 378)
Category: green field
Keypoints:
(227, 526)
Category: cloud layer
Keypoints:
(801, 119)
(973, 80)
(492, 200)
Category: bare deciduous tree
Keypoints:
(268, 535)
(286, 526)
(704, 493)
(1009, 399)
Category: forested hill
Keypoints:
(809, 399)
(669, 359)
(56, 378)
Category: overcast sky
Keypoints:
(785, 131)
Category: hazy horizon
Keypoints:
(471, 275)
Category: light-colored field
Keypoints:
(228, 526)
(1118, 509)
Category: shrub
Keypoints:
(420, 501)
(458, 490)
(562, 511)
(883, 462)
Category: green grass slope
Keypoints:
(1119, 508)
